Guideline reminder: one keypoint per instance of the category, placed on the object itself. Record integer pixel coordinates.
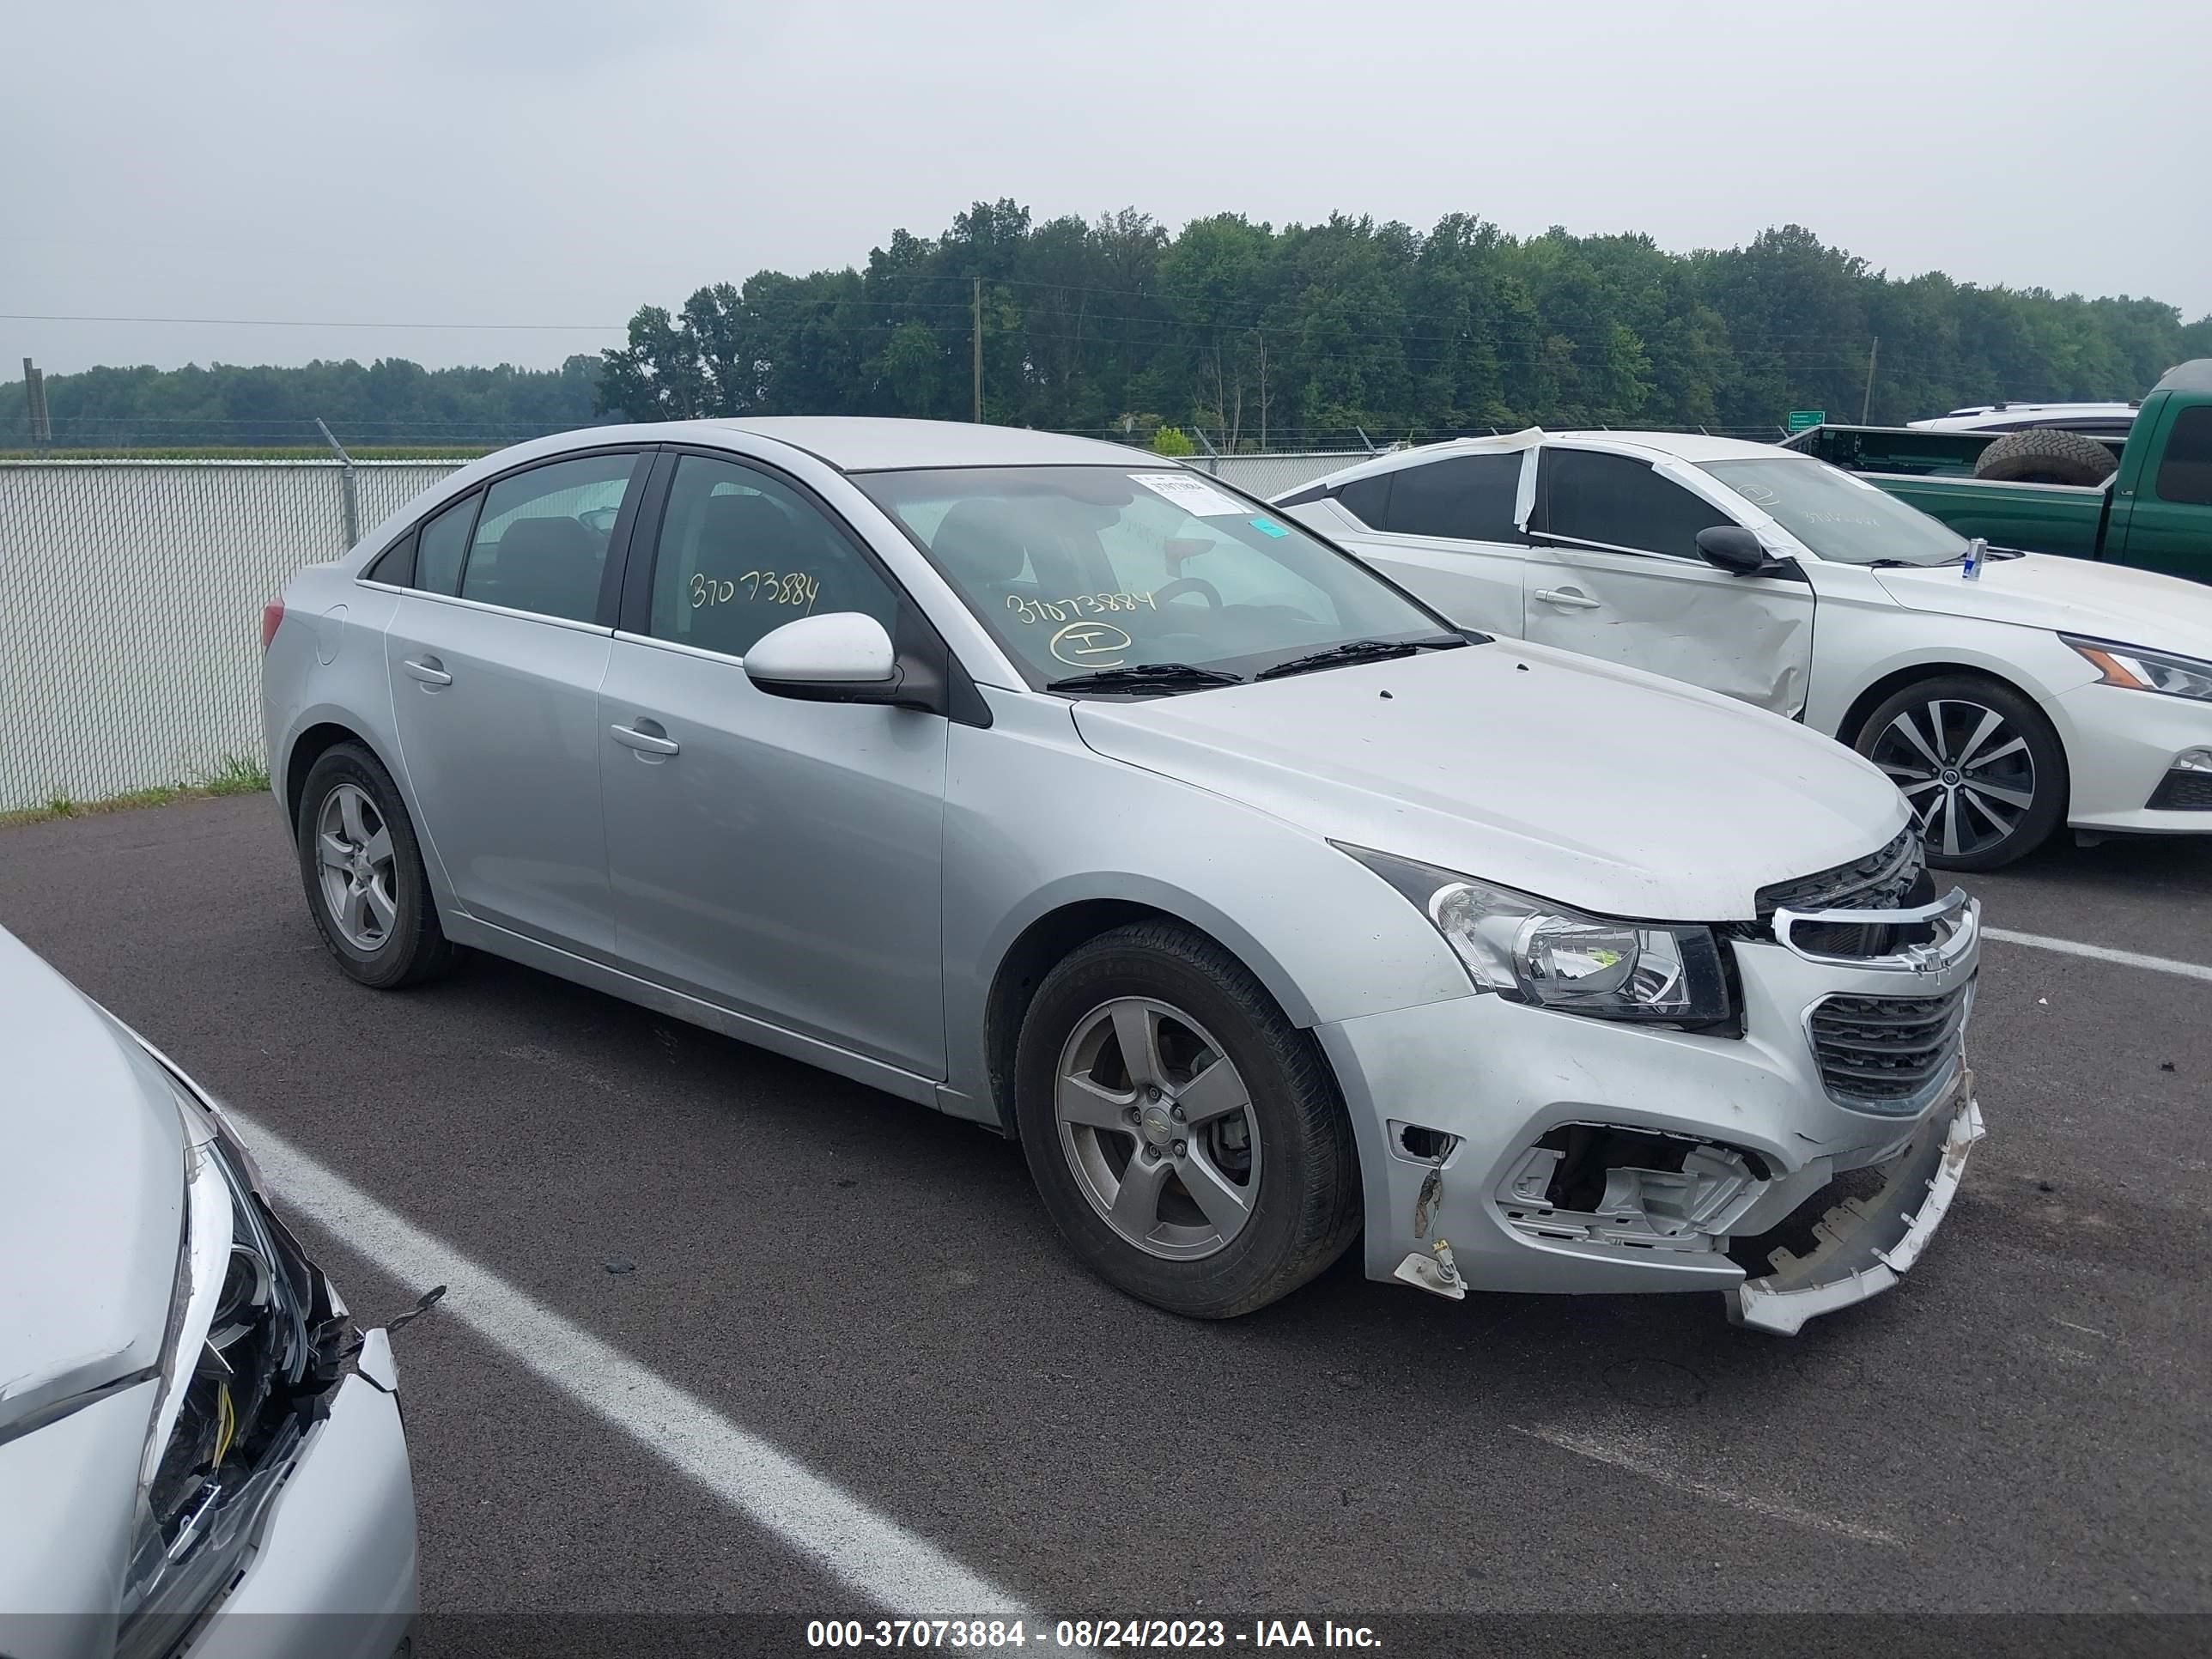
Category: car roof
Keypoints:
(2194, 375)
(875, 444)
(1691, 446)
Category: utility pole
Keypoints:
(1867, 403)
(34, 398)
(979, 350)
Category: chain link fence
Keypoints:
(131, 596)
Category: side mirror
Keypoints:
(1733, 549)
(840, 657)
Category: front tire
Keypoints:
(1188, 1139)
(1980, 766)
(362, 868)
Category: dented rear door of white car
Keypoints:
(1614, 572)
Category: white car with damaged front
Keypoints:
(2008, 693)
(199, 1452)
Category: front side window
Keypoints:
(741, 553)
(541, 542)
(2185, 474)
(1463, 497)
(1840, 518)
(1615, 500)
(1076, 569)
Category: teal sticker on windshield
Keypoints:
(1268, 527)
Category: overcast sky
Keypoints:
(555, 161)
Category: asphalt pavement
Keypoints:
(2020, 1428)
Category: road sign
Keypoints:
(1801, 420)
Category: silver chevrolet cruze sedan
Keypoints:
(1070, 791)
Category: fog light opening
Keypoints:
(1633, 1188)
(1422, 1144)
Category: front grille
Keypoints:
(1893, 878)
(2183, 792)
(1889, 1055)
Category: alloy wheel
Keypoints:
(1967, 772)
(1158, 1125)
(353, 848)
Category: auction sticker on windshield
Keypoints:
(1192, 494)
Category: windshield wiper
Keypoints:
(1163, 676)
(1353, 651)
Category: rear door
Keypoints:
(1616, 574)
(2168, 521)
(495, 659)
(1446, 529)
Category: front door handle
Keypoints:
(1567, 599)
(648, 743)
(428, 672)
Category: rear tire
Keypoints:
(1213, 1173)
(1982, 769)
(362, 869)
(2045, 455)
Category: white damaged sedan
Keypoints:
(2008, 695)
(194, 1438)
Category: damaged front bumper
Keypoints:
(1866, 1244)
(1506, 1147)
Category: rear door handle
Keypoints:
(1567, 599)
(428, 672)
(649, 743)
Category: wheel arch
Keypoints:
(1050, 936)
(313, 741)
(1880, 690)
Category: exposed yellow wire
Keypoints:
(227, 1422)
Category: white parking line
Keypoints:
(871, 1554)
(1623, 1457)
(2100, 953)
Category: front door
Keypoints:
(496, 661)
(2169, 520)
(781, 858)
(1617, 574)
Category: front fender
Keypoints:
(1035, 822)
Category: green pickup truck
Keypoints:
(2153, 513)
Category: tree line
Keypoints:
(390, 402)
(1260, 336)
(1247, 335)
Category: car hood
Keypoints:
(92, 1193)
(1592, 784)
(2075, 596)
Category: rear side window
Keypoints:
(396, 564)
(1588, 496)
(2185, 474)
(1367, 500)
(440, 545)
(541, 542)
(1465, 497)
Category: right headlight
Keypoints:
(236, 1348)
(1530, 950)
(2139, 670)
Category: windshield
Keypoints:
(1838, 516)
(1076, 570)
